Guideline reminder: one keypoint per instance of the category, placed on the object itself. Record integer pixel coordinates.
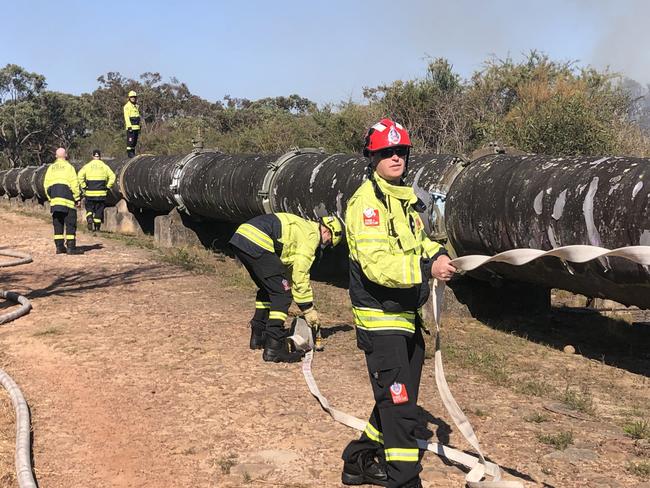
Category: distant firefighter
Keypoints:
(267, 245)
(62, 189)
(132, 123)
(95, 179)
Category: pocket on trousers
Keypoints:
(384, 369)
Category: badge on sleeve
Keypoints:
(371, 217)
(399, 394)
(286, 285)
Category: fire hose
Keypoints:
(478, 465)
(23, 430)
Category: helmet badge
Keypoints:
(393, 136)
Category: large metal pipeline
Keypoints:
(503, 202)
(10, 182)
(498, 202)
(234, 188)
(2, 179)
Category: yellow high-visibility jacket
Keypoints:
(294, 239)
(95, 179)
(390, 258)
(61, 186)
(131, 116)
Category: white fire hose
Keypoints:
(23, 431)
(480, 468)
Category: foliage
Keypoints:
(537, 105)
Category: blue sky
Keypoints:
(326, 51)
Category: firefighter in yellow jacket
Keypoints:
(391, 262)
(62, 189)
(267, 245)
(95, 179)
(132, 123)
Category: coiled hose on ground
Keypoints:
(23, 438)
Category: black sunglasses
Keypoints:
(388, 152)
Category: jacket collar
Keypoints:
(404, 193)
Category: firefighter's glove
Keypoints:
(312, 318)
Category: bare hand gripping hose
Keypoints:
(479, 466)
(23, 438)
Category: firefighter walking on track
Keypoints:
(391, 262)
(267, 245)
(95, 179)
(132, 123)
(62, 189)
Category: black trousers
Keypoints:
(67, 220)
(394, 365)
(274, 292)
(95, 211)
(131, 141)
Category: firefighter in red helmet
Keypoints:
(391, 262)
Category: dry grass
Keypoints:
(560, 441)
(7, 442)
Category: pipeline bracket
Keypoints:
(177, 175)
(274, 168)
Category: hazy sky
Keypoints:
(324, 50)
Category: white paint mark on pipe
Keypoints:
(637, 189)
(537, 203)
(558, 207)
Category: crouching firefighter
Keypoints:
(95, 179)
(62, 190)
(391, 261)
(267, 246)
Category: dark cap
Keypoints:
(97, 152)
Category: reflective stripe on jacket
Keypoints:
(390, 258)
(61, 186)
(294, 239)
(131, 116)
(95, 179)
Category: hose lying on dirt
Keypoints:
(23, 431)
(23, 445)
(479, 466)
(25, 306)
(23, 258)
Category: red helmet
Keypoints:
(385, 133)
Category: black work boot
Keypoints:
(277, 351)
(72, 248)
(60, 249)
(258, 337)
(413, 483)
(365, 470)
(97, 227)
(90, 225)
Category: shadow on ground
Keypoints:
(74, 282)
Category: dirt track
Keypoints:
(138, 373)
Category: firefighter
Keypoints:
(267, 245)
(95, 179)
(391, 262)
(132, 123)
(62, 189)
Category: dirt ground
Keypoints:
(137, 371)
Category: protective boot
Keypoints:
(277, 351)
(60, 248)
(130, 154)
(258, 337)
(97, 226)
(72, 248)
(413, 483)
(364, 470)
